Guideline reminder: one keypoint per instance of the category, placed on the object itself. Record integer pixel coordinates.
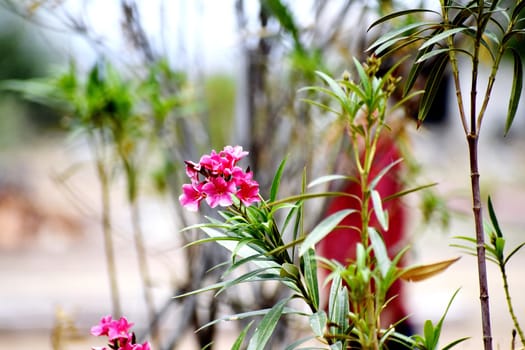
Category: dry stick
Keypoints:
(132, 183)
(106, 229)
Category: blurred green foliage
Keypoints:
(19, 46)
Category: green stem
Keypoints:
(517, 326)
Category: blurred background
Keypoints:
(102, 101)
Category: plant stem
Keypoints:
(472, 140)
(131, 178)
(106, 229)
(509, 303)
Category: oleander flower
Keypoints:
(218, 179)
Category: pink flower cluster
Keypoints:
(119, 336)
(216, 178)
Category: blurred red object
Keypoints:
(340, 244)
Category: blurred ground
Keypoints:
(55, 262)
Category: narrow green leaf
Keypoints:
(244, 252)
(494, 219)
(515, 91)
(437, 38)
(432, 86)
(400, 14)
(516, 11)
(365, 82)
(513, 252)
(383, 171)
(323, 228)
(410, 190)
(243, 315)
(318, 323)
(265, 329)
(334, 86)
(328, 178)
(298, 342)
(437, 52)
(454, 343)
(337, 346)
(310, 276)
(320, 105)
(277, 180)
(392, 34)
(439, 325)
(240, 339)
(381, 255)
(378, 210)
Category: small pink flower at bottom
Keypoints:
(119, 329)
(144, 346)
(219, 192)
(191, 197)
(102, 328)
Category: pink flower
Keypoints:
(144, 346)
(235, 152)
(102, 328)
(248, 192)
(112, 328)
(119, 329)
(216, 178)
(212, 162)
(191, 197)
(192, 170)
(219, 192)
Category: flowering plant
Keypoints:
(270, 240)
(119, 336)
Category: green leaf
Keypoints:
(515, 91)
(265, 329)
(428, 331)
(310, 276)
(337, 346)
(318, 323)
(298, 342)
(323, 228)
(393, 34)
(454, 343)
(240, 339)
(339, 94)
(328, 178)
(513, 252)
(283, 14)
(400, 14)
(432, 86)
(437, 38)
(380, 214)
(277, 180)
(439, 325)
(381, 255)
(410, 190)
(382, 173)
(243, 315)
(244, 252)
(494, 219)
